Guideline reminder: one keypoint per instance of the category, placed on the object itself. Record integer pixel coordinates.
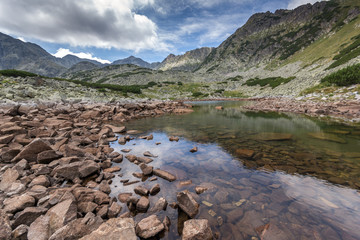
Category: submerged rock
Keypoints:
(187, 203)
(273, 136)
(196, 229)
(327, 137)
(245, 153)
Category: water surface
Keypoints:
(301, 182)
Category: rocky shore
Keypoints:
(345, 109)
(56, 168)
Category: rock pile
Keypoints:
(56, 167)
(349, 109)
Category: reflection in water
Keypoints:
(282, 190)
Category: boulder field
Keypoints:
(56, 168)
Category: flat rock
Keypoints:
(86, 207)
(41, 180)
(196, 229)
(68, 171)
(245, 153)
(149, 227)
(164, 174)
(18, 203)
(187, 203)
(123, 197)
(6, 139)
(8, 178)
(112, 169)
(48, 156)
(131, 157)
(31, 151)
(144, 160)
(115, 129)
(273, 136)
(327, 137)
(149, 154)
(115, 228)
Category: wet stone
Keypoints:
(140, 190)
(143, 204)
(155, 189)
(149, 227)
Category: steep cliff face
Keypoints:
(188, 61)
(278, 36)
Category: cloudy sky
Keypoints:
(107, 30)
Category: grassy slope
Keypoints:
(328, 46)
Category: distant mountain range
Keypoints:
(325, 35)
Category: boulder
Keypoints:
(197, 229)
(78, 228)
(149, 227)
(31, 151)
(28, 215)
(115, 228)
(61, 214)
(8, 178)
(6, 139)
(20, 233)
(187, 203)
(41, 180)
(39, 229)
(18, 203)
(73, 151)
(88, 167)
(164, 174)
(68, 171)
(48, 156)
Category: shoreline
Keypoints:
(56, 167)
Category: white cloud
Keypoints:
(211, 28)
(295, 3)
(62, 52)
(98, 23)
